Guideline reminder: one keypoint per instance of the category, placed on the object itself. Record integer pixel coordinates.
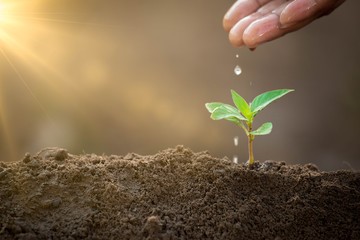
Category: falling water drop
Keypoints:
(235, 159)
(237, 70)
(237, 55)
(236, 140)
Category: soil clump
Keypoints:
(175, 194)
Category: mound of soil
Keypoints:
(175, 194)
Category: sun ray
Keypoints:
(23, 52)
(19, 75)
(64, 21)
(4, 125)
(20, 31)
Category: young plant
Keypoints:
(245, 113)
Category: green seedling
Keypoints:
(245, 113)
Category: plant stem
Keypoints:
(251, 138)
(243, 127)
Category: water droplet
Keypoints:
(250, 83)
(237, 70)
(236, 140)
(235, 159)
(237, 55)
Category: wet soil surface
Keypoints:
(175, 194)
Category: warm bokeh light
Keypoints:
(2, 14)
(15, 18)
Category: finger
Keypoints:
(239, 10)
(236, 33)
(273, 6)
(267, 29)
(262, 30)
(332, 8)
(278, 10)
(300, 10)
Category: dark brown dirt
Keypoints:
(175, 194)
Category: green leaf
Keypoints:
(234, 120)
(227, 112)
(261, 101)
(212, 106)
(241, 104)
(263, 130)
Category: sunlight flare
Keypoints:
(25, 28)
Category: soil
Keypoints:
(175, 194)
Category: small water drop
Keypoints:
(250, 83)
(237, 55)
(236, 140)
(235, 159)
(237, 70)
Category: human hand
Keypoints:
(253, 22)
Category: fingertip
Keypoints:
(239, 10)
(235, 39)
(227, 23)
(230, 18)
(249, 40)
(236, 33)
(262, 30)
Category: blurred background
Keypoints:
(120, 76)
